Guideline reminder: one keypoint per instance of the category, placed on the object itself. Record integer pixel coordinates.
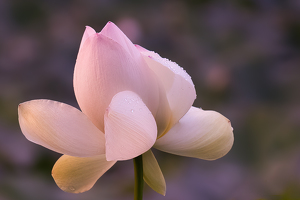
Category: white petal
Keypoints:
(130, 128)
(105, 67)
(61, 128)
(76, 175)
(201, 134)
(152, 173)
(177, 83)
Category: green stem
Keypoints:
(138, 176)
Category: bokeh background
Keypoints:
(243, 56)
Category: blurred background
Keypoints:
(243, 56)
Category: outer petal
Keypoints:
(130, 128)
(76, 175)
(177, 83)
(202, 134)
(108, 65)
(61, 128)
(152, 173)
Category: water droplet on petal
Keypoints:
(72, 188)
(132, 110)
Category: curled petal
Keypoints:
(77, 175)
(152, 173)
(177, 83)
(201, 134)
(108, 65)
(61, 128)
(130, 128)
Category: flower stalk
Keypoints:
(138, 176)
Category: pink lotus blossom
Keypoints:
(131, 100)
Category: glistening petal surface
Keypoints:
(201, 134)
(61, 128)
(177, 83)
(105, 67)
(77, 175)
(152, 173)
(130, 128)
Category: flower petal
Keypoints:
(152, 173)
(177, 83)
(113, 32)
(61, 128)
(77, 175)
(130, 128)
(105, 67)
(87, 33)
(202, 134)
(163, 112)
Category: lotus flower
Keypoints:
(131, 100)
